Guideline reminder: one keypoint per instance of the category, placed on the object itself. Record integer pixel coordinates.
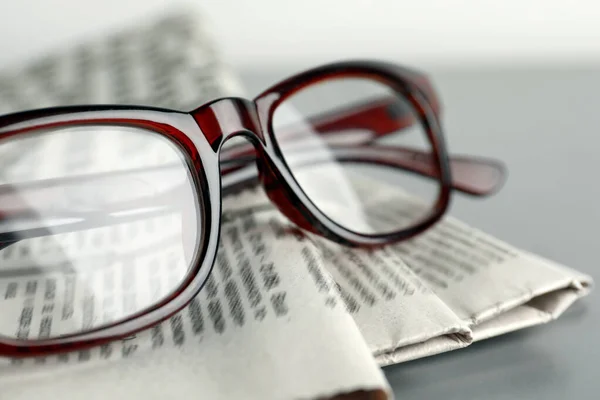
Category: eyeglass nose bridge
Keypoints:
(229, 117)
(224, 118)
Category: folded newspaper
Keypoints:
(285, 314)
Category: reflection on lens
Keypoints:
(91, 228)
(360, 153)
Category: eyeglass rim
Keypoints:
(180, 129)
(405, 82)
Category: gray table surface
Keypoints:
(545, 124)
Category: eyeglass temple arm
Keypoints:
(476, 176)
(367, 121)
(53, 192)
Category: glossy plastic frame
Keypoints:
(201, 133)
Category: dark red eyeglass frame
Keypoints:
(201, 133)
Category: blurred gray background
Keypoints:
(519, 80)
(267, 32)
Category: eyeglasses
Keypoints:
(110, 215)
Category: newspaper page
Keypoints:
(441, 290)
(490, 286)
(285, 314)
